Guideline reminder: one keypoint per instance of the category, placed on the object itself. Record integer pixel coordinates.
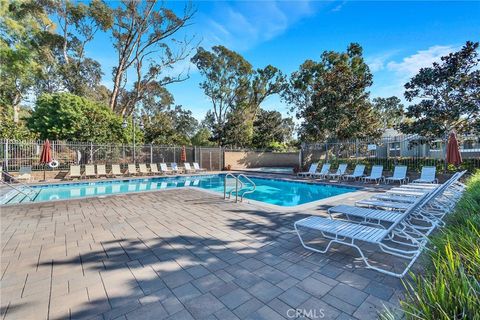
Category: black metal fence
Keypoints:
(409, 150)
(14, 154)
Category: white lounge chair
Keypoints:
(342, 168)
(394, 205)
(399, 175)
(323, 172)
(395, 197)
(311, 170)
(101, 170)
(188, 169)
(427, 175)
(25, 173)
(116, 171)
(174, 167)
(355, 235)
(401, 239)
(376, 174)
(142, 168)
(197, 167)
(90, 171)
(131, 169)
(358, 172)
(428, 218)
(75, 172)
(154, 168)
(164, 169)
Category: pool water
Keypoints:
(272, 191)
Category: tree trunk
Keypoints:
(116, 90)
(16, 108)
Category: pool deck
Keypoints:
(178, 254)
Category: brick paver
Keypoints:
(176, 254)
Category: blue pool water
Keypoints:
(272, 191)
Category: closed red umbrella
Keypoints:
(183, 155)
(453, 152)
(46, 156)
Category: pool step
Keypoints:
(18, 198)
(6, 197)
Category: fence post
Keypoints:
(300, 157)
(210, 166)
(151, 153)
(91, 152)
(194, 153)
(220, 157)
(326, 151)
(356, 150)
(174, 154)
(5, 153)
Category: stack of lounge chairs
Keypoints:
(99, 170)
(397, 222)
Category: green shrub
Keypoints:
(64, 116)
(450, 285)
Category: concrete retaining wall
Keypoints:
(255, 159)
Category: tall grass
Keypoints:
(449, 288)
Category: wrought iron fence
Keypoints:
(14, 154)
(389, 151)
(410, 150)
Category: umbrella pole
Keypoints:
(44, 172)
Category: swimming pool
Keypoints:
(272, 191)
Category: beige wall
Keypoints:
(254, 159)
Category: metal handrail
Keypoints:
(225, 187)
(25, 186)
(254, 186)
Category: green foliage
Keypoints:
(238, 130)
(13, 130)
(172, 127)
(389, 110)
(64, 116)
(450, 286)
(236, 91)
(449, 95)
(203, 138)
(24, 26)
(271, 131)
(331, 99)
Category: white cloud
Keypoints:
(242, 25)
(410, 65)
(377, 62)
(339, 6)
(394, 74)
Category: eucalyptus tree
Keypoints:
(24, 25)
(236, 91)
(143, 34)
(227, 77)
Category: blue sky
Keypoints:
(398, 38)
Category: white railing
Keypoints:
(238, 186)
(31, 193)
